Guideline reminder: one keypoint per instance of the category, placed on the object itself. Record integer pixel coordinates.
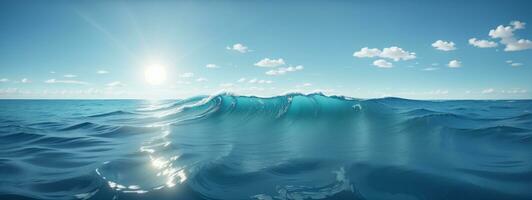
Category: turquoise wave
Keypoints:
(294, 146)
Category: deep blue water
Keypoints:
(287, 147)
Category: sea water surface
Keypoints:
(287, 147)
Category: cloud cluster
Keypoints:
(394, 53)
(507, 91)
(70, 76)
(53, 81)
(284, 70)
(444, 45)
(508, 38)
(238, 47)
(102, 72)
(514, 91)
(267, 62)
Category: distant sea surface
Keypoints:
(287, 147)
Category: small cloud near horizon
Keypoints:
(454, 64)
(381, 63)
(238, 47)
(212, 66)
(53, 81)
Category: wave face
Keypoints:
(287, 147)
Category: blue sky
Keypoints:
(366, 49)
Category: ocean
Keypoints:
(286, 147)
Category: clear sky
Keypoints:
(168, 49)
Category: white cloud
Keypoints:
(52, 72)
(515, 91)
(201, 79)
(284, 70)
(253, 88)
(187, 75)
(102, 72)
(444, 45)
(274, 72)
(70, 76)
(507, 36)
(518, 45)
(115, 84)
(241, 80)
(438, 92)
(212, 66)
(394, 53)
(304, 85)
(3, 80)
(25, 80)
(367, 53)
(518, 24)
(488, 91)
(267, 62)
(502, 32)
(53, 81)
(482, 43)
(430, 69)
(454, 64)
(265, 81)
(514, 64)
(8, 90)
(258, 81)
(239, 48)
(381, 63)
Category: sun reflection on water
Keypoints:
(164, 164)
(154, 167)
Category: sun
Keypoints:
(155, 74)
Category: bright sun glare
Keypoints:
(155, 75)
